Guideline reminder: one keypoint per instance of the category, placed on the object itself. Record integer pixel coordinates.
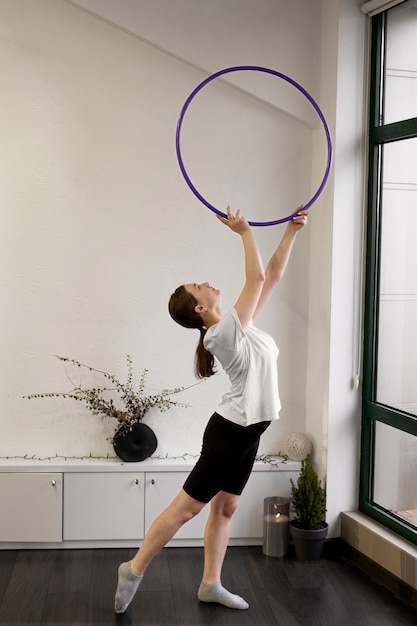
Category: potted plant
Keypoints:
(308, 502)
(132, 440)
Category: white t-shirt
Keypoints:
(249, 358)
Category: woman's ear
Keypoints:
(199, 308)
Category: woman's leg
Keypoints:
(216, 534)
(181, 510)
(216, 537)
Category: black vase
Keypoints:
(136, 445)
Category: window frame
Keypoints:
(373, 411)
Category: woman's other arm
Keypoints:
(279, 260)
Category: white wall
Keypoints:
(99, 226)
(335, 284)
(217, 34)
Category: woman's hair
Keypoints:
(181, 307)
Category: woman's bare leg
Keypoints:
(181, 510)
(216, 534)
(216, 537)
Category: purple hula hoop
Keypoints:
(238, 68)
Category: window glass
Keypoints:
(397, 340)
(401, 63)
(395, 472)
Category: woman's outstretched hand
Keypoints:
(236, 222)
(299, 220)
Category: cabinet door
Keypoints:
(103, 505)
(248, 520)
(30, 507)
(160, 489)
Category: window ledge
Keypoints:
(394, 554)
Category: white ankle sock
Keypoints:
(215, 592)
(127, 586)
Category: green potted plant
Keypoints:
(123, 402)
(308, 503)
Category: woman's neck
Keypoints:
(212, 319)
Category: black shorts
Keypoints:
(227, 457)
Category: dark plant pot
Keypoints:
(308, 544)
(136, 445)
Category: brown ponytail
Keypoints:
(182, 310)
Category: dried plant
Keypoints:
(99, 400)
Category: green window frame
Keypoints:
(374, 412)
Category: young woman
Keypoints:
(231, 438)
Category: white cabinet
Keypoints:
(103, 506)
(30, 507)
(111, 504)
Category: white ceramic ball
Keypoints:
(298, 446)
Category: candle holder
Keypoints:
(276, 526)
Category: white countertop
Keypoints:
(153, 464)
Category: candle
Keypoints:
(276, 527)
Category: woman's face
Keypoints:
(203, 293)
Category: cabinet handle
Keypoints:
(153, 481)
(136, 481)
(53, 483)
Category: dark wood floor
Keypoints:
(76, 588)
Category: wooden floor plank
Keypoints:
(281, 613)
(72, 571)
(65, 608)
(154, 608)
(367, 602)
(76, 588)
(7, 562)
(25, 594)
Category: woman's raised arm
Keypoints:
(254, 272)
(279, 260)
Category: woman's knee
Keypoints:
(186, 507)
(224, 504)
